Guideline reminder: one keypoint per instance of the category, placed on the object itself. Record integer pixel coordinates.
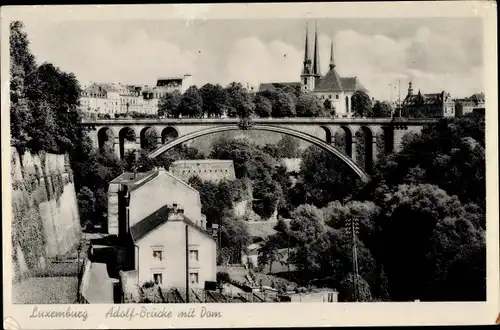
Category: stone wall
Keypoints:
(45, 219)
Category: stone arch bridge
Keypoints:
(339, 136)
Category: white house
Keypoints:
(159, 217)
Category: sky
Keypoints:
(434, 53)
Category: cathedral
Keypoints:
(332, 87)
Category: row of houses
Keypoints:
(116, 98)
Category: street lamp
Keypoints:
(352, 228)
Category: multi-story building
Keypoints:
(212, 170)
(434, 105)
(115, 98)
(158, 218)
(469, 104)
(332, 87)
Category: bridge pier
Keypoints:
(116, 146)
(374, 150)
(353, 148)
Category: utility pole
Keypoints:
(352, 228)
(187, 264)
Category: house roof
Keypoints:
(135, 180)
(429, 99)
(109, 87)
(156, 219)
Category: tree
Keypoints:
(86, 205)
(283, 105)
(169, 105)
(307, 223)
(214, 98)
(195, 182)
(288, 147)
(263, 106)
(363, 289)
(269, 252)
(361, 104)
(234, 235)
(381, 109)
(411, 214)
(191, 103)
(22, 79)
(329, 108)
(240, 101)
(324, 178)
(309, 105)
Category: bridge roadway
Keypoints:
(321, 131)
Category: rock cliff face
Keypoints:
(45, 220)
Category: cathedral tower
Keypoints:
(307, 78)
(316, 64)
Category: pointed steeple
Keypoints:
(332, 61)
(307, 60)
(316, 65)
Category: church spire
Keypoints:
(410, 89)
(307, 61)
(332, 61)
(316, 65)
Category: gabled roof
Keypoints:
(332, 81)
(353, 84)
(155, 220)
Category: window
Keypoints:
(337, 96)
(330, 96)
(158, 278)
(193, 277)
(193, 255)
(158, 255)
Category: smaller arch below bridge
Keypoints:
(328, 134)
(168, 134)
(148, 138)
(364, 142)
(126, 134)
(360, 172)
(105, 136)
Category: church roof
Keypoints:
(333, 82)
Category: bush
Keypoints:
(148, 284)
(223, 277)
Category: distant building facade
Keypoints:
(331, 88)
(150, 213)
(213, 170)
(116, 98)
(434, 105)
(469, 104)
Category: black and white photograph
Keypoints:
(290, 160)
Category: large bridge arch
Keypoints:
(360, 172)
